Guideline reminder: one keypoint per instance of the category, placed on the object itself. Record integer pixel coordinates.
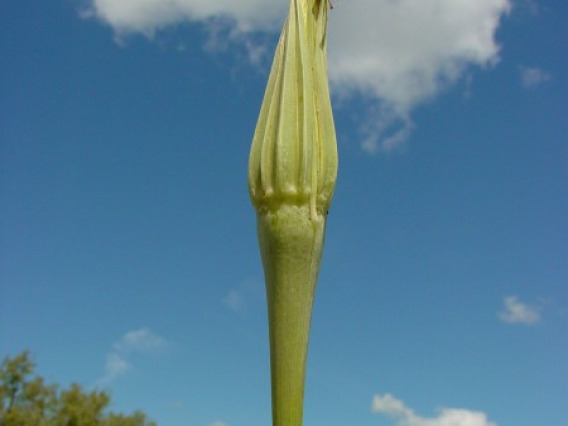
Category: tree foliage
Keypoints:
(26, 400)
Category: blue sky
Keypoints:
(129, 258)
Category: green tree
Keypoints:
(26, 400)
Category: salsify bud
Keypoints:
(293, 158)
(292, 175)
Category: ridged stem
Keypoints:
(291, 245)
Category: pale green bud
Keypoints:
(293, 158)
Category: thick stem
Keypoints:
(291, 245)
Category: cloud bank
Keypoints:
(517, 312)
(396, 54)
(395, 408)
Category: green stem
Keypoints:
(291, 245)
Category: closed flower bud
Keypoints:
(293, 157)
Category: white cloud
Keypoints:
(115, 367)
(388, 404)
(397, 54)
(532, 77)
(117, 360)
(404, 53)
(142, 340)
(517, 312)
(384, 129)
(395, 408)
(148, 16)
